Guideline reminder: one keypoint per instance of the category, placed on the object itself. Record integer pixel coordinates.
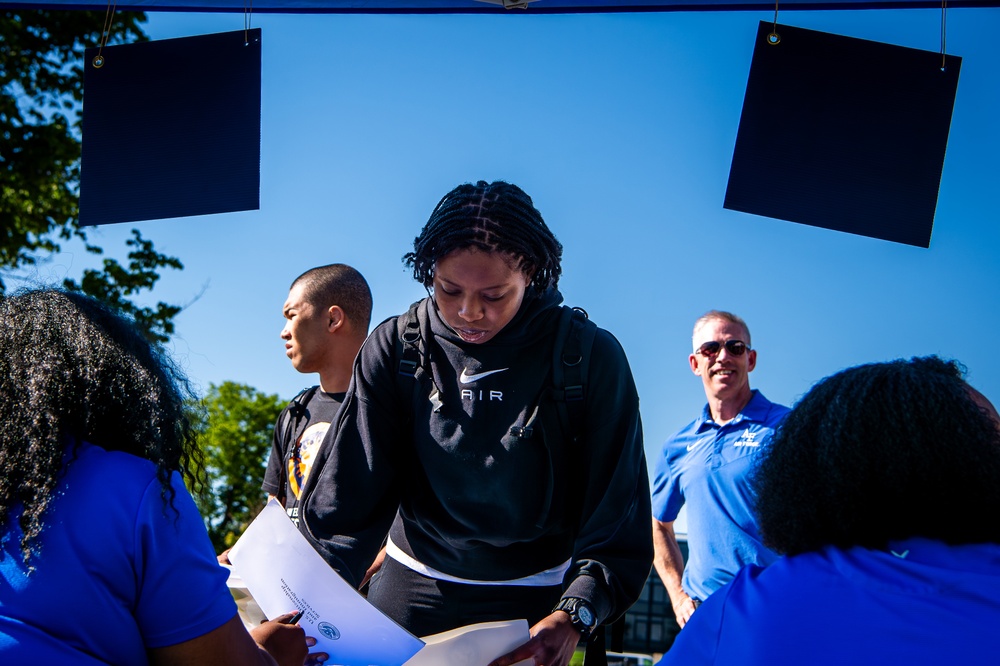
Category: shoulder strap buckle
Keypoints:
(409, 334)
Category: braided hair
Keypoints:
(492, 217)
(878, 453)
(73, 371)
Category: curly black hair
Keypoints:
(73, 371)
(492, 217)
(881, 452)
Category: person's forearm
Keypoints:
(668, 561)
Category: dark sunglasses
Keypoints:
(734, 347)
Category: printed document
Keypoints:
(284, 573)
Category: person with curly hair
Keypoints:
(882, 491)
(496, 509)
(104, 558)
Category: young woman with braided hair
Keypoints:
(495, 508)
(104, 558)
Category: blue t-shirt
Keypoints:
(917, 602)
(119, 570)
(708, 466)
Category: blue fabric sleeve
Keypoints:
(667, 498)
(182, 588)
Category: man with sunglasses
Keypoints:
(706, 466)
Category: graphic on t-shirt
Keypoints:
(300, 462)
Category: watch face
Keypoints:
(585, 615)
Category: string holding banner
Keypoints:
(246, 21)
(773, 38)
(944, 30)
(109, 17)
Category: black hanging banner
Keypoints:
(843, 133)
(171, 128)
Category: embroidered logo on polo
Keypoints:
(466, 378)
(747, 439)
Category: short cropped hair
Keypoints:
(492, 217)
(880, 452)
(338, 284)
(723, 316)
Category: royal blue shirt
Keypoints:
(917, 602)
(119, 571)
(707, 466)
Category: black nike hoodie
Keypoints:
(444, 458)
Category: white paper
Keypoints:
(284, 573)
(250, 612)
(473, 645)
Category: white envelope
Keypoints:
(473, 645)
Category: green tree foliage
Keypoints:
(116, 283)
(235, 424)
(41, 90)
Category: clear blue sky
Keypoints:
(621, 127)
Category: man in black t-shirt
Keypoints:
(327, 315)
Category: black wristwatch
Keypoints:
(581, 615)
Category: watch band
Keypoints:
(581, 614)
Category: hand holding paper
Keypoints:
(284, 573)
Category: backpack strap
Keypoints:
(286, 425)
(596, 652)
(411, 349)
(409, 342)
(570, 365)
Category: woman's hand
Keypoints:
(286, 643)
(552, 643)
(271, 643)
(314, 658)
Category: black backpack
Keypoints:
(570, 363)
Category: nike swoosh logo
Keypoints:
(468, 379)
(692, 447)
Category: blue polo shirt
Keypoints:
(708, 466)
